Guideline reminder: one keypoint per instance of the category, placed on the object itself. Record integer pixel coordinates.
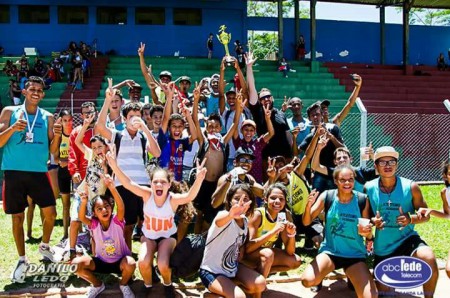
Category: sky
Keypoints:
(352, 12)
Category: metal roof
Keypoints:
(442, 4)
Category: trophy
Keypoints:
(225, 39)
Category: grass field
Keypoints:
(434, 233)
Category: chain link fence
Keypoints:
(419, 138)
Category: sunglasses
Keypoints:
(383, 163)
(244, 160)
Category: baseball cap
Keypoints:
(244, 151)
(385, 151)
(165, 73)
(231, 90)
(264, 92)
(135, 86)
(185, 78)
(325, 102)
(248, 122)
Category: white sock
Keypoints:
(44, 245)
(148, 286)
(166, 285)
(22, 258)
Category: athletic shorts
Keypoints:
(75, 207)
(64, 180)
(310, 231)
(17, 185)
(158, 240)
(203, 200)
(104, 267)
(341, 262)
(407, 248)
(134, 205)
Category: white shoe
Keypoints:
(19, 273)
(47, 252)
(127, 292)
(95, 291)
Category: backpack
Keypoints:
(118, 138)
(187, 257)
(362, 198)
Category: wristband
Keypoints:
(291, 235)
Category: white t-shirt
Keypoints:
(221, 255)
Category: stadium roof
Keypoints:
(443, 4)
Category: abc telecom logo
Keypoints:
(403, 272)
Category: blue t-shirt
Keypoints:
(212, 105)
(172, 153)
(341, 230)
(391, 237)
(20, 155)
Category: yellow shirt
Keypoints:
(265, 227)
(298, 193)
(64, 148)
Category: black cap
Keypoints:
(244, 151)
(325, 102)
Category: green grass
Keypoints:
(432, 232)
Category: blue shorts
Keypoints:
(208, 277)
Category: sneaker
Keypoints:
(169, 291)
(146, 290)
(19, 273)
(316, 289)
(47, 252)
(127, 292)
(95, 291)
(137, 233)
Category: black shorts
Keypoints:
(310, 231)
(341, 262)
(17, 185)
(104, 267)
(407, 248)
(203, 200)
(158, 240)
(64, 180)
(134, 205)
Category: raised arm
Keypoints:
(101, 127)
(310, 151)
(339, 117)
(54, 134)
(152, 144)
(314, 206)
(140, 191)
(168, 90)
(192, 127)
(237, 115)
(82, 211)
(222, 87)
(184, 198)
(252, 94)
(80, 136)
(315, 164)
(270, 131)
(109, 182)
(200, 137)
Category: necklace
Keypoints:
(389, 193)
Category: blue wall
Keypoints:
(360, 39)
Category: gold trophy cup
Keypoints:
(225, 38)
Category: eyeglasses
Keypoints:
(383, 163)
(265, 97)
(343, 181)
(244, 160)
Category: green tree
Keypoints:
(270, 9)
(428, 17)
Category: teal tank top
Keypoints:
(391, 237)
(341, 230)
(19, 155)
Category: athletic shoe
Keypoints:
(47, 252)
(95, 291)
(317, 288)
(127, 292)
(169, 291)
(19, 273)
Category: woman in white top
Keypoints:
(159, 226)
(220, 270)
